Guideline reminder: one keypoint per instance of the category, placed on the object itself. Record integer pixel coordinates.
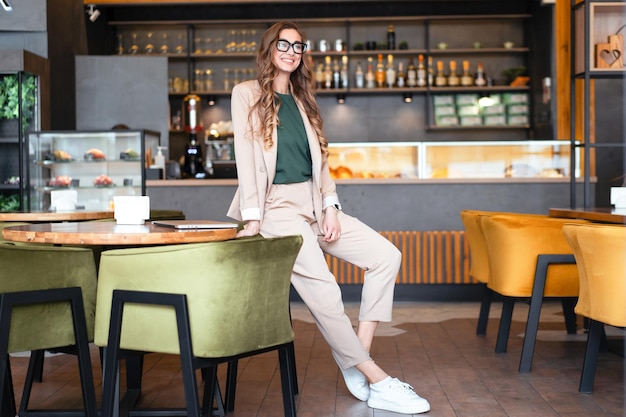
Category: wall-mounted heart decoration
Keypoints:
(610, 55)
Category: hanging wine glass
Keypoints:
(208, 46)
(242, 44)
(164, 48)
(120, 44)
(149, 48)
(226, 79)
(197, 45)
(180, 44)
(252, 42)
(134, 47)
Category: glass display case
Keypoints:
(470, 160)
(97, 165)
(19, 113)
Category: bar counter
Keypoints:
(387, 204)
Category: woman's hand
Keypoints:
(330, 225)
(252, 228)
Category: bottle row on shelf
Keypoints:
(332, 73)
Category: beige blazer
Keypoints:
(256, 166)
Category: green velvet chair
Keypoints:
(47, 302)
(211, 303)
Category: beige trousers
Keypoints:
(289, 211)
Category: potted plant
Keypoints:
(10, 99)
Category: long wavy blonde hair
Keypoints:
(302, 87)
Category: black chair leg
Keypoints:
(231, 386)
(212, 404)
(178, 301)
(588, 374)
(483, 315)
(505, 324)
(286, 379)
(34, 373)
(72, 295)
(534, 311)
(568, 304)
(7, 396)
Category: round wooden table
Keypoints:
(55, 216)
(111, 234)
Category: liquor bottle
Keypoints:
(319, 76)
(390, 72)
(359, 77)
(391, 38)
(328, 74)
(400, 77)
(336, 74)
(344, 71)
(480, 80)
(431, 72)
(370, 78)
(411, 74)
(453, 77)
(380, 72)
(466, 79)
(440, 77)
(421, 71)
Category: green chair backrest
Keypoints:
(237, 294)
(37, 267)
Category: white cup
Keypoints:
(131, 209)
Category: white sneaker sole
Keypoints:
(380, 404)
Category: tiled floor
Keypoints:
(432, 346)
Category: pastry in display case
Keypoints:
(451, 160)
(98, 165)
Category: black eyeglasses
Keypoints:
(283, 45)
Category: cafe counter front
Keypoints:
(421, 217)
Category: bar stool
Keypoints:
(210, 303)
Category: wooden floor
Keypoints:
(432, 346)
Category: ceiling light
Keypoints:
(92, 12)
(6, 5)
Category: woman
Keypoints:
(285, 188)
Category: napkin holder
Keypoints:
(63, 200)
(618, 197)
(131, 209)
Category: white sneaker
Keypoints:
(356, 383)
(393, 395)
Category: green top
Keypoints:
(293, 161)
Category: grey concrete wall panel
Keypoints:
(118, 89)
(26, 16)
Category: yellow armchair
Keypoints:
(600, 252)
(530, 258)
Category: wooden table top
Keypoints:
(596, 214)
(110, 233)
(55, 216)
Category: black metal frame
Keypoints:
(189, 363)
(541, 271)
(74, 296)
